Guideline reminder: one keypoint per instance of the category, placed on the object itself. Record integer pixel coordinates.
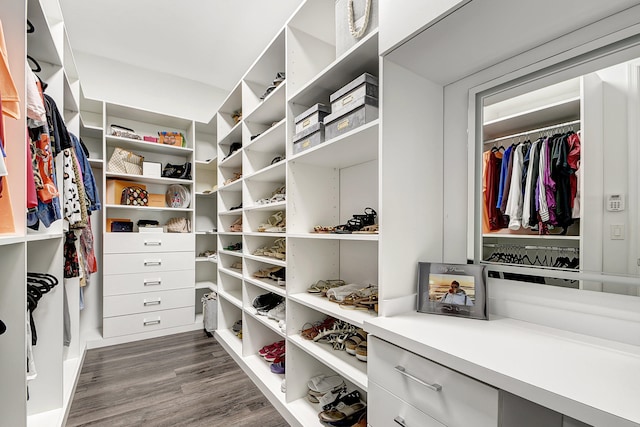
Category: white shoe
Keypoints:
(278, 312)
(283, 326)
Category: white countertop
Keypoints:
(589, 379)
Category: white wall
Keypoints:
(124, 84)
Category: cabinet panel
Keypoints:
(432, 388)
(145, 322)
(119, 284)
(385, 409)
(148, 242)
(119, 305)
(151, 262)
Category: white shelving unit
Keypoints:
(324, 185)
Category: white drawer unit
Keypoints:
(385, 409)
(147, 262)
(453, 399)
(118, 243)
(119, 305)
(145, 322)
(135, 283)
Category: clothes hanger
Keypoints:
(34, 65)
(30, 27)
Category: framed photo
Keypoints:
(452, 289)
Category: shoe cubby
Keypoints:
(260, 190)
(300, 317)
(230, 244)
(267, 149)
(257, 219)
(230, 197)
(228, 314)
(206, 177)
(227, 219)
(297, 386)
(264, 81)
(206, 275)
(253, 243)
(229, 119)
(250, 293)
(230, 286)
(207, 141)
(205, 213)
(254, 266)
(256, 335)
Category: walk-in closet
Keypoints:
(320, 213)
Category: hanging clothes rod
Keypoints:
(502, 138)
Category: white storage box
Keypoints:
(153, 169)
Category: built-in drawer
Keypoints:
(119, 284)
(148, 262)
(120, 305)
(385, 410)
(442, 393)
(117, 243)
(146, 322)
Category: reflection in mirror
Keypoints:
(560, 182)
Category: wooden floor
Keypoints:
(180, 380)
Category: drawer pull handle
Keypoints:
(434, 387)
(156, 302)
(152, 322)
(153, 243)
(400, 421)
(152, 282)
(150, 263)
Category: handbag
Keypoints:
(134, 196)
(178, 196)
(123, 132)
(123, 161)
(177, 171)
(179, 225)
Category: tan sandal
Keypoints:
(236, 226)
(368, 229)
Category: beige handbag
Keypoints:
(178, 225)
(123, 161)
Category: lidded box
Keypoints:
(310, 137)
(356, 114)
(310, 117)
(352, 92)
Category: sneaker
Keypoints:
(278, 312)
(277, 368)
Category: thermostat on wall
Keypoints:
(615, 202)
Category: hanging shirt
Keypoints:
(507, 184)
(485, 202)
(514, 206)
(529, 188)
(504, 166)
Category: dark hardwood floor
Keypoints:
(180, 380)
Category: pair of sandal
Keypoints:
(274, 273)
(360, 223)
(356, 345)
(236, 176)
(236, 265)
(234, 247)
(278, 250)
(322, 286)
(276, 223)
(236, 226)
(324, 389)
(278, 195)
(346, 409)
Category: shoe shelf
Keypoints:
(229, 340)
(232, 186)
(234, 135)
(323, 305)
(335, 236)
(11, 239)
(269, 323)
(233, 161)
(233, 212)
(277, 206)
(272, 109)
(361, 58)
(266, 284)
(340, 361)
(147, 179)
(205, 259)
(205, 195)
(268, 173)
(267, 260)
(231, 253)
(360, 145)
(233, 272)
(302, 409)
(206, 233)
(260, 371)
(269, 141)
(147, 208)
(234, 298)
(226, 125)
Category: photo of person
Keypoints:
(452, 289)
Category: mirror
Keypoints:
(559, 185)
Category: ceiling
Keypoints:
(208, 41)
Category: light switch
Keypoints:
(617, 232)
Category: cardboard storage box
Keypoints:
(353, 92)
(312, 136)
(357, 114)
(115, 187)
(157, 200)
(175, 139)
(310, 117)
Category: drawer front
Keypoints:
(120, 305)
(457, 401)
(387, 410)
(116, 243)
(145, 263)
(145, 322)
(119, 284)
